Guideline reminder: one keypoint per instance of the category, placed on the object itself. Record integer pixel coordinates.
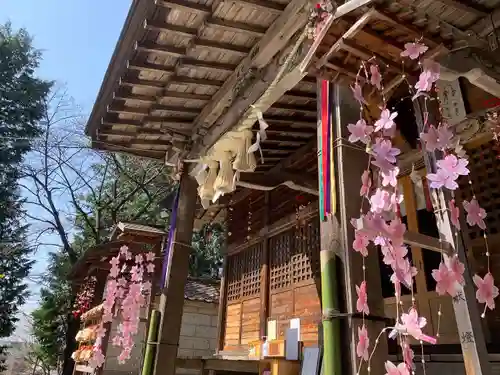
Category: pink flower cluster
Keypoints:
(381, 224)
(126, 293)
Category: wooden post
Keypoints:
(350, 164)
(264, 272)
(221, 319)
(172, 297)
(467, 315)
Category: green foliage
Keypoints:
(22, 100)
(206, 258)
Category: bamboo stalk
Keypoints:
(149, 355)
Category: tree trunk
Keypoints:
(72, 330)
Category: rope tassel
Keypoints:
(261, 134)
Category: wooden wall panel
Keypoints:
(250, 320)
(233, 325)
(307, 306)
(281, 309)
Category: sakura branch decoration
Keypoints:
(319, 16)
(380, 223)
(127, 288)
(85, 296)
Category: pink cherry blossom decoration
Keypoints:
(445, 280)
(392, 369)
(366, 183)
(486, 290)
(386, 120)
(376, 78)
(362, 302)
(454, 214)
(475, 213)
(360, 243)
(363, 343)
(360, 132)
(358, 93)
(414, 50)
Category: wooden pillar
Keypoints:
(172, 297)
(466, 310)
(349, 165)
(264, 272)
(221, 319)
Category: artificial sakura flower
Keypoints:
(376, 78)
(97, 359)
(475, 213)
(150, 257)
(362, 302)
(360, 243)
(150, 267)
(393, 254)
(433, 67)
(380, 201)
(395, 231)
(486, 290)
(454, 214)
(408, 354)
(114, 271)
(442, 178)
(404, 272)
(139, 259)
(424, 83)
(414, 50)
(386, 120)
(360, 132)
(392, 369)
(358, 93)
(389, 177)
(412, 324)
(363, 343)
(366, 183)
(445, 280)
(383, 150)
(439, 138)
(115, 262)
(453, 165)
(457, 268)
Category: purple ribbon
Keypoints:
(168, 245)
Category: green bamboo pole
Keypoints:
(332, 364)
(149, 354)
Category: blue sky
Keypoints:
(77, 39)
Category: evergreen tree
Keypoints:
(22, 100)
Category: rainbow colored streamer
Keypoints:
(326, 183)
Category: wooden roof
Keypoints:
(382, 28)
(180, 65)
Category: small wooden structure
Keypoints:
(168, 95)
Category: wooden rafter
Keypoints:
(184, 5)
(159, 49)
(269, 6)
(211, 65)
(127, 95)
(149, 67)
(487, 24)
(307, 109)
(277, 36)
(468, 6)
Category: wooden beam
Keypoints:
(149, 67)
(124, 95)
(175, 279)
(240, 50)
(159, 49)
(294, 108)
(288, 141)
(221, 316)
(116, 108)
(185, 95)
(129, 81)
(468, 6)
(169, 121)
(295, 132)
(170, 28)
(296, 94)
(263, 5)
(265, 271)
(184, 5)
(164, 107)
(196, 81)
(293, 18)
(309, 122)
(211, 65)
(284, 164)
(487, 24)
(365, 54)
(237, 27)
(134, 133)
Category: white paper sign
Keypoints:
(295, 323)
(310, 363)
(292, 344)
(272, 328)
(452, 102)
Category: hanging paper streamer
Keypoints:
(168, 245)
(325, 145)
